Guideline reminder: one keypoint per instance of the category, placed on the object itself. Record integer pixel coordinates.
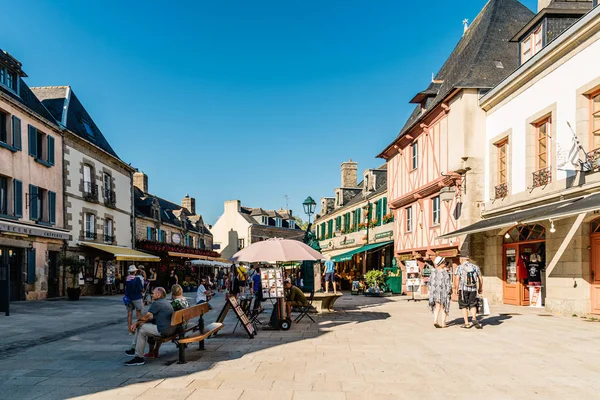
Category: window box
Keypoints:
(109, 239)
(110, 199)
(501, 191)
(90, 191)
(90, 235)
(542, 177)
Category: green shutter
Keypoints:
(18, 197)
(33, 203)
(52, 207)
(32, 133)
(30, 266)
(385, 206)
(16, 131)
(50, 150)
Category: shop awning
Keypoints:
(561, 209)
(197, 257)
(348, 255)
(211, 263)
(123, 253)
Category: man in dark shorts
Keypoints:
(294, 297)
(330, 276)
(468, 283)
(257, 290)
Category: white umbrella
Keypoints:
(277, 250)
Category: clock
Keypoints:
(176, 238)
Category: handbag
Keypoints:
(126, 300)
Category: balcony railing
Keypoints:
(90, 235)
(542, 177)
(90, 191)
(501, 191)
(110, 199)
(592, 158)
(108, 238)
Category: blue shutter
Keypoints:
(50, 150)
(52, 207)
(30, 266)
(18, 191)
(32, 133)
(149, 233)
(33, 203)
(16, 125)
(160, 235)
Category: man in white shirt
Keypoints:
(202, 293)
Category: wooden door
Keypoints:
(595, 274)
(511, 284)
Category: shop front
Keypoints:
(423, 260)
(107, 267)
(353, 264)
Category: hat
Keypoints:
(132, 268)
(438, 260)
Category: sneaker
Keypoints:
(135, 361)
(130, 352)
(149, 355)
(477, 324)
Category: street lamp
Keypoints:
(309, 207)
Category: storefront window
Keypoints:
(511, 266)
(525, 233)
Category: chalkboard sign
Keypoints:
(241, 316)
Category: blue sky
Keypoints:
(249, 100)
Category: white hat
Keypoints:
(438, 260)
(132, 268)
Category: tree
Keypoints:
(301, 223)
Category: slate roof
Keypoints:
(169, 211)
(29, 100)
(74, 117)
(472, 62)
(249, 213)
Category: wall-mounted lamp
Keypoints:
(506, 235)
(552, 228)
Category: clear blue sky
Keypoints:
(251, 100)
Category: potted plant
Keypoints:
(186, 286)
(74, 266)
(375, 279)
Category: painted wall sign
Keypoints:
(384, 235)
(176, 238)
(33, 231)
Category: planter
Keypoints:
(193, 288)
(185, 289)
(73, 293)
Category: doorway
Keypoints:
(595, 266)
(53, 274)
(521, 243)
(13, 257)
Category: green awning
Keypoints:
(348, 256)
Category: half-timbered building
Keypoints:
(435, 165)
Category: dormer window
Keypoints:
(532, 44)
(88, 128)
(292, 224)
(265, 220)
(8, 78)
(278, 222)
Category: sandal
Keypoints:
(466, 326)
(437, 325)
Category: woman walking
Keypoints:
(440, 290)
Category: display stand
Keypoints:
(232, 303)
(272, 289)
(535, 296)
(413, 281)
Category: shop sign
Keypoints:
(384, 234)
(216, 246)
(348, 241)
(447, 253)
(32, 231)
(405, 257)
(412, 274)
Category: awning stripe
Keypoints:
(348, 255)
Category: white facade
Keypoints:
(230, 228)
(77, 206)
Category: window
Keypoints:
(292, 224)
(278, 222)
(435, 210)
(595, 120)
(162, 236)
(414, 149)
(109, 194)
(240, 244)
(502, 162)
(201, 244)
(90, 226)
(151, 233)
(265, 220)
(542, 145)
(532, 44)
(87, 179)
(409, 219)
(3, 195)
(322, 231)
(108, 230)
(88, 128)
(329, 229)
(8, 78)
(41, 146)
(10, 138)
(42, 205)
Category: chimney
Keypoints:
(543, 4)
(349, 174)
(189, 203)
(233, 206)
(140, 181)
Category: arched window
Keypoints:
(525, 233)
(595, 226)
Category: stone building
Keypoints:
(241, 226)
(98, 193)
(355, 227)
(435, 165)
(174, 232)
(31, 189)
(541, 167)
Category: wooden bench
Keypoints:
(324, 301)
(199, 332)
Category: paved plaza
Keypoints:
(371, 348)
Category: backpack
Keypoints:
(241, 273)
(470, 276)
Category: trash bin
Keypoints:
(393, 279)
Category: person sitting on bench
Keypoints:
(156, 323)
(178, 302)
(294, 297)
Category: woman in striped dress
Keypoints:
(440, 290)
